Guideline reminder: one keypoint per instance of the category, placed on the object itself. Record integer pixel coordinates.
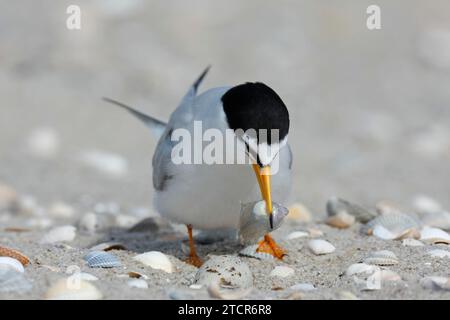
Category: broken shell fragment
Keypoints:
(254, 221)
(341, 220)
(358, 268)
(434, 235)
(319, 247)
(11, 263)
(7, 252)
(382, 258)
(101, 259)
(155, 260)
(73, 289)
(336, 205)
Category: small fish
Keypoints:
(253, 222)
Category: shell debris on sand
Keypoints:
(336, 206)
(13, 281)
(60, 234)
(72, 288)
(282, 272)
(299, 213)
(156, 260)
(8, 252)
(11, 263)
(358, 268)
(227, 271)
(393, 226)
(319, 246)
(434, 235)
(102, 259)
(382, 258)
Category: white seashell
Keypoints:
(438, 253)
(215, 292)
(336, 205)
(43, 142)
(393, 226)
(138, 283)
(155, 260)
(434, 235)
(424, 205)
(358, 268)
(439, 219)
(282, 272)
(341, 220)
(382, 258)
(303, 287)
(125, 221)
(299, 213)
(228, 271)
(11, 263)
(61, 210)
(111, 164)
(59, 234)
(296, 235)
(196, 286)
(412, 242)
(250, 251)
(13, 281)
(318, 246)
(73, 289)
(435, 283)
(101, 259)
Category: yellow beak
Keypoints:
(263, 177)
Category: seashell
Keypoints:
(439, 219)
(434, 235)
(358, 268)
(227, 271)
(299, 213)
(303, 287)
(125, 221)
(7, 252)
(336, 205)
(138, 283)
(341, 220)
(215, 292)
(8, 197)
(254, 222)
(412, 242)
(155, 260)
(107, 246)
(439, 253)
(73, 289)
(385, 208)
(13, 281)
(282, 272)
(382, 258)
(59, 234)
(318, 246)
(136, 275)
(296, 235)
(61, 210)
(196, 286)
(101, 259)
(393, 226)
(426, 205)
(11, 263)
(250, 251)
(435, 283)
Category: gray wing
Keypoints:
(162, 157)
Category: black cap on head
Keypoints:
(256, 106)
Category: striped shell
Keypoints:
(7, 252)
(251, 252)
(13, 281)
(393, 226)
(101, 259)
(382, 258)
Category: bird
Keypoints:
(208, 196)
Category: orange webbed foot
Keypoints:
(268, 245)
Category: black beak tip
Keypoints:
(271, 221)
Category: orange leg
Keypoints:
(193, 258)
(268, 245)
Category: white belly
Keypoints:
(210, 196)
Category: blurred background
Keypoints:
(370, 110)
